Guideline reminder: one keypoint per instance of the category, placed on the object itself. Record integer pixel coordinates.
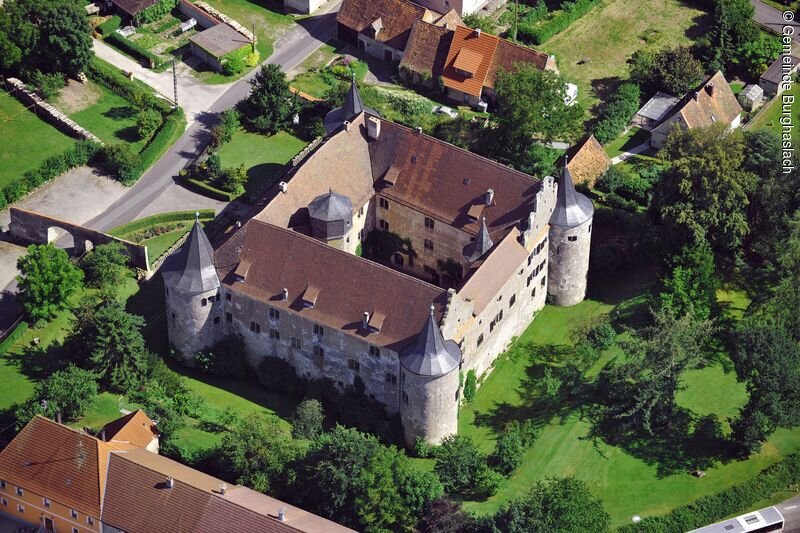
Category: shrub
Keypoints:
(226, 358)
(617, 201)
(601, 336)
(120, 161)
(539, 33)
(462, 469)
(279, 376)
(47, 85)
(156, 11)
(232, 180)
(173, 123)
(617, 113)
(478, 22)
(307, 419)
(204, 188)
(13, 337)
(147, 121)
(118, 83)
(134, 49)
(175, 216)
(229, 122)
(110, 26)
(470, 386)
(232, 64)
(509, 449)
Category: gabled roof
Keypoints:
(430, 354)
(774, 73)
(53, 460)
(588, 161)
(426, 51)
(482, 244)
(219, 40)
(345, 285)
(509, 54)
(450, 20)
(658, 107)
(133, 7)
(191, 268)
(135, 428)
(396, 18)
(572, 208)
(712, 103)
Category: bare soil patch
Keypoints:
(77, 96)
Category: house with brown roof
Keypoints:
(213, 44)
(462, 7)
(426, 53)
(779, 76)
(711, 103)
(461, 253)
(382, 27)
(587, 161)
(136, 429)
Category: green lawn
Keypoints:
(737, 87)
(263, 156)
(26, 140)
(609, 35)
(312, 82)
(769, 116)
(632, 138)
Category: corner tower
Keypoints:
(192, 296)
(570, 242)
(429, 385)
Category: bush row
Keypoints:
(110, 26)
(202, 187)
(175, 216)
(116, 82)
(130, 47)
(617, 113)
(81, 153)
(540, 32)
(13, 337)
(729, 502)
(156, 11)
(174, 122)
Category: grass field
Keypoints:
(26, 140)
(310, 81)
(593, 52)
(263, 156)
(632, 138)
(770, 115)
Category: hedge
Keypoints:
(130, 47)
(175, 216)
(731, 501)
(81, 153)
(540, 32)
(156, 11)
(110, 26)
(201, 187)
(617, 113)
(13, 337)
(173, 123)
(118, 83)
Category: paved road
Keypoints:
(772, 18)
(296, 45)
(790, 509)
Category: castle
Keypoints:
(464, 253)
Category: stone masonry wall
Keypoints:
(193, 325)
(569, 263)
(429, 406)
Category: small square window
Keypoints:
(46, 502)
(319, 351)
(512, 301)
(384, 225)
(274, 314)
(216, 320)
(375, 351)
(255, 327)
(428, 223)
(204, 302)
(228, 317)
(20, 492)
(319, 330)
(75, 530)
(405, 397)
(4, 502)
(274, 334)
(544, 281)
(73, 513)
(2, 484)
(391, 378)
(428, 244)
(572, 238)
(533, 293)
(296, 343)
(384, 203)
(20, 508)
(90, 520)
(353, 365)
(228, 296)
(361, 211)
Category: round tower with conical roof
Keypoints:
(429, 385)
(192, 295)
(570, 241)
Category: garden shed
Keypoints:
(213, 44)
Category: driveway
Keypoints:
(772, 18)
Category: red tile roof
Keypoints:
(712, 103)
(508, 55)
(136, 428)
(477, 44)
(396, 16)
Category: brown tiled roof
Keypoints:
(444, 181)
(483, 45)
(468, 60)
(133, 7)
(509, 54)
(397, 17)
(136, 428)
(587, 161)
(712, 103)
(427, 49)
(53, 460)
(450, 20)
(219, 40)
(347, 285)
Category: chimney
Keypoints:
(489, 196)
(283, 186)
(58, 416)
(170, 482)
(365, 320)
(373, 128)
(103, 435)
(282, 514)
(223, 489)
(418, 130)
(347, 126)
(478, 32)
(285, 294)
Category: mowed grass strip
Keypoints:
(594, 51)
(26, 140)
(770, 116)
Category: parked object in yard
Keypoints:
(444, 110)
(127, 31)
(570, 94)
(188, 25)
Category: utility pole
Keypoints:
(253, 40)
(175, 82)
(516, 18)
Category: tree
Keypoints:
(561, 504)
(112, 340)
(69, 392)
(732, 29)
(443, 516)
(234, 179)
(106, 266)
(470, 385)
(509, 449)
(672, 70)
(484, 23)
(691, 285)
(531, 104)
(463, 470)
(703, 194)
(307, 419)
(639, 394)
(270, 106)
(47, 279)
(147, 122)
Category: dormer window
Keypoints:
(376, 321)
(467, 62)
(310, 296)
(241, 270)
(475, 210)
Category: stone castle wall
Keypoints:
(429, 406)
(569, 263)
(194, 321)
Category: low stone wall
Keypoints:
(204, 20)
(226, 19)
(305, 151)
(50, 112)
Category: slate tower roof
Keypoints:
(430, 354)
(191, 269)
(330, 207)
(351, 107)
(482, 244)
(572, 208)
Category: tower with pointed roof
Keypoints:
(350, 108)
(192, 295)
(570, 243)
(429, 385)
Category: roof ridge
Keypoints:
(348, 254)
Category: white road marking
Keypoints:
(790, 507)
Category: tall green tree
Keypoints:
(270, 106)
(463, 469)
(47, 279)
(105, 266)
(691, 284)
(531, 105)
(732, 29)
(307, 419)
(69, 392)
(672, 70)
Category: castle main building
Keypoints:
(465, 253)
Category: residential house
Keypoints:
(711, 103)
(462, 7)
(426, 53)
(587, 161)
(129, 10)
(778, 76)
(135, 428)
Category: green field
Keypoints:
(632, 138)
(593, 52)
(27, 140)
(263, 156)
(769, 117)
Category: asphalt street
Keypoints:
(773, 19)
(790, 509)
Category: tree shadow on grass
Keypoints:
(128, 135)
(38, 362)
(120, 112)
(261, 177)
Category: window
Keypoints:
(319, 330)
(255, 327)
(384, 203)
(533, 293)
(466, 97)
(4, 502)
(428, 244)
(75, 530)
(274, 314)
(528, 284)
(572, 238)
(2, 484)
(353, 365)
(512, 301)
(405, 397)
(375, 351)
(228, 317)
(590, 228)
(20, 492)
(173, 316)
(20, 508)
(391, 378)
(530, 258)
(228, 296)
(751, 519)
(384, 225)
(73, 513)
(204, 302)
(361, 211)
(46, 502)
(274, 334)
(544, 280)
(216, 320)
(90, 520)
(428, 223)
(296, 343)
(319, 351)
(480, 339)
